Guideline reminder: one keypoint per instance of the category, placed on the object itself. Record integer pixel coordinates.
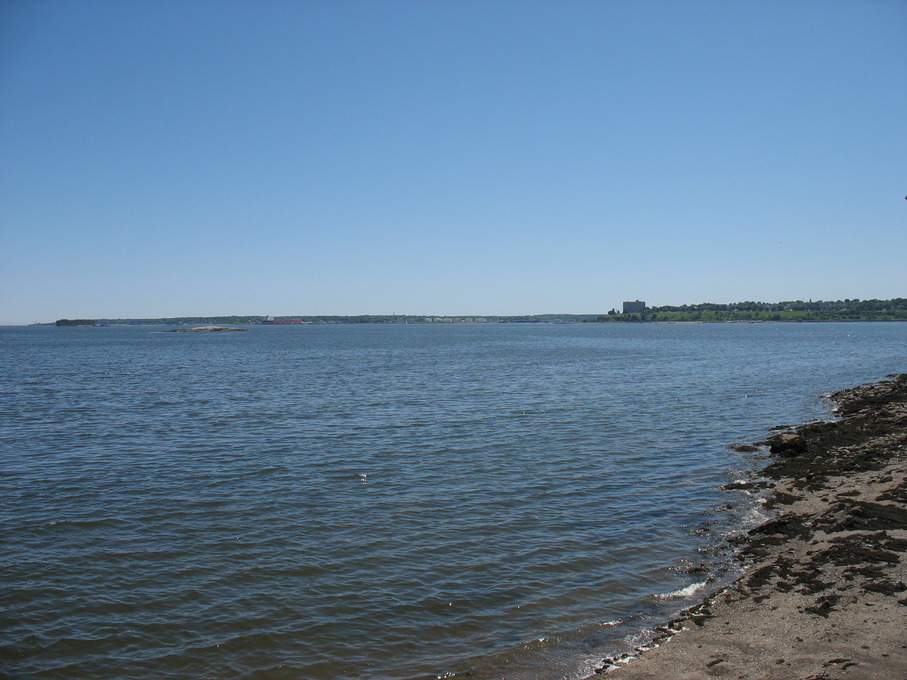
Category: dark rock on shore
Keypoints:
(788, 444)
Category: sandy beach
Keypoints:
(824, 591)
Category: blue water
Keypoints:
(179, 505)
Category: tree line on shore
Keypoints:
(894, 309)
(338, 319)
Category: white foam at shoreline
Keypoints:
(690, 590)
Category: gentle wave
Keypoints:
(687, 591)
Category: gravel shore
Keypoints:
(823, 594)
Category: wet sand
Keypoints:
(824, 591)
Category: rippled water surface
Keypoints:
(193, 505)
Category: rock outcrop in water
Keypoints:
(205, 329)
(824, 595)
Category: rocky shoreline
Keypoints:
(824, 592)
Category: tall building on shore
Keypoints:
(634, 307)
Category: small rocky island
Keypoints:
(205, 329)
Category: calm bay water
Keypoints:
(191, 505)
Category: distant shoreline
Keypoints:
(823, 594)
(894, 309)
(545, 319)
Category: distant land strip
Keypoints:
(339, 319)
(796, 310)
(894, 309)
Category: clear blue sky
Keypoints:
(202, 157)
